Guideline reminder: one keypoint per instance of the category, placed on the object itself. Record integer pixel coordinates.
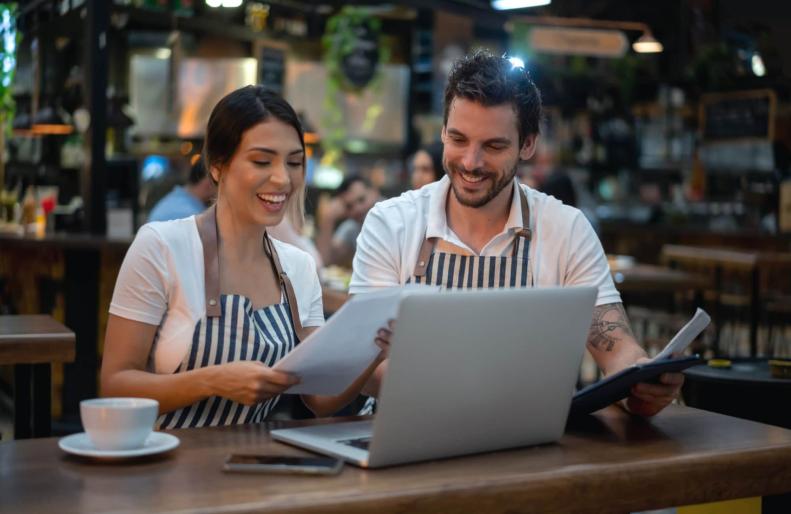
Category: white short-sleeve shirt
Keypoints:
(161, 282)
(564, 249)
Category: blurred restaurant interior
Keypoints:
(667, 123)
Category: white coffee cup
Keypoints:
(118, 423)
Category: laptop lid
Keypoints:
(482, 370)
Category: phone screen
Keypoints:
(283, 464)
(275, 460)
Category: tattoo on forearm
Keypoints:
(609, 326)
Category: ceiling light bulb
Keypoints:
(646, 44)
(757, 65)
(503, 5)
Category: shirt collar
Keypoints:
(437, 218)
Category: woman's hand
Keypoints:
(249, 382)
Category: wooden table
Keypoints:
(31, 344)
(646, 278)
(608, 463)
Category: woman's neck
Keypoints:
(240, 241)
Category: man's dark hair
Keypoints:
(349, 181)
(239, 111)
(490, 81)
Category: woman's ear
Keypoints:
(214, 171)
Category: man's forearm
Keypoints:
(610, 339)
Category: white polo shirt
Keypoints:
(564, 249)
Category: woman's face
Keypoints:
(263, 174)
(422, 169)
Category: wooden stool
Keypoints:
(31, 344)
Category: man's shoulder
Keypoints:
(548, 209)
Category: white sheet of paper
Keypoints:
(686, 335)
(331, 358)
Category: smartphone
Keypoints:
(283, 464)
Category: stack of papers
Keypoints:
(332, 357)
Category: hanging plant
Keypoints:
(352, 56)
(9, 38)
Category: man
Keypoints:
(183, 202)
(477, 227)
(352, 200)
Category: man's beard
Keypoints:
(493, 191)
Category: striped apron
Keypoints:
(232, 331)
(451, 270)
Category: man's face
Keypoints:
(482, 150)
(358, 200)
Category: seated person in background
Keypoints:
(479, 228)
(185, 201)
(200, 311)
(559, 185)
(351, 203)
(288, 232)
(427, 165)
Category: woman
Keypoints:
(427, 165)
(204, 306)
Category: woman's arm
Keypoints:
(126, 350)
(367, 383)
(323, 406)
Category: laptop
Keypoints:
(469, 372)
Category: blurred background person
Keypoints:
(427, 165)
(290, 231)
(341, 219)
(188, 200)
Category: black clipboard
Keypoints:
(617, 387)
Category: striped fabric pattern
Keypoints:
(239, 334)
(456, 271)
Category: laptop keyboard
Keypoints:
(361, 442)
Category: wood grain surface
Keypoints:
(610, 462)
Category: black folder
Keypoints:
(618, 386)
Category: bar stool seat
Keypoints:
(31, 344)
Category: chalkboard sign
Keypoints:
(272, 67)
(741, 115)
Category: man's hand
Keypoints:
(647, 399)
(382, 339)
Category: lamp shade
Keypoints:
(48, 121)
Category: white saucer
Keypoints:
(80, 444)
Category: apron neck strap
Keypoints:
(525, 231)
(428, 245)
(285, 284)
(426, 249)
(209, 236)
(207, 230)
